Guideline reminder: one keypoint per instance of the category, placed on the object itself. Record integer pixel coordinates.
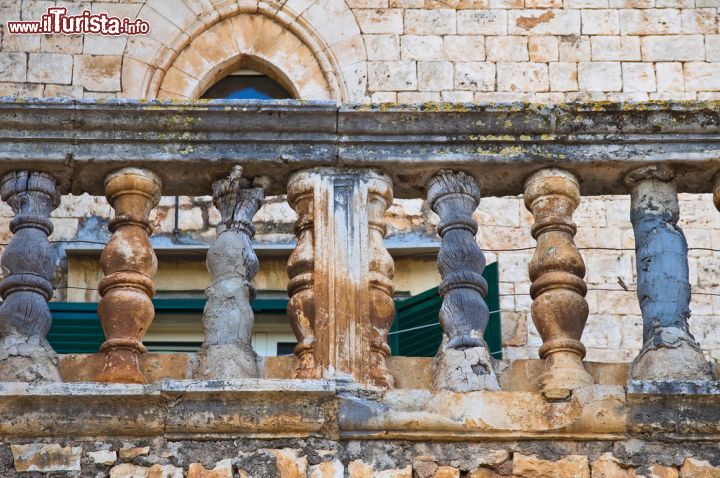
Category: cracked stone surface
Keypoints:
(27, 359)
(464, 370)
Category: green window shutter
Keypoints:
(416, 331)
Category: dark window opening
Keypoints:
(286, 348)
(247, 85)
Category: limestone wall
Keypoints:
(319, 458)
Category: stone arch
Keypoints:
(315, 50)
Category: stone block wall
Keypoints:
(318, 458)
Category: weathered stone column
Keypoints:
(669, 351)
(129, 264)
(463, 362)
(559, 309)
(27, 266)
(341, 286)
(228, 319)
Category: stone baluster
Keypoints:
(463, 362)
(228, 318)
(340, 287)
(129, 264)
(27, 266)
(559, 309)
(301, 269)
(669, 351)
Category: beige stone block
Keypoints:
(483, 473)
(464, 47)
(383, 97)
(42, 457)
(417, 97)
(708, 96)
(382, 47)
(392, 75)
(615, 48)
(50, 68)
(421, 47)
(103, 457)
(97, 73)
(699, 20)
(638, 77)
(61, 43)
(474, 76)
(395, 473)
(543, 3)
(406, 3)
(563, 76)
(707, 3)
(669, 77)
(63, 91)
(435, 75)
(702, 76)
(290, 463)
(549, 97)
(223, 469)
(574, 48)
(544, 22)
(161, 29)
(604, 267)
(514, 328)
(600, 76)
(608, 467)
(712, 48)
(650, 22)
(64, 228)
(543, 49)
(673, 48)
(456, 96)
(659, 471)
(13, 67)
(368, 4)
(586, 4)
(494, 211)
(522, 77)
(674, 3)
(507, 48)
(327, 469)
(506, 3)
(457, 4)
(380, 20)
(572, 466)
(129, 453)
(600, 22)
(430, 22)
(104, 45)
(21, 89)
(513, 267)
(694, 468)
(359, 469)
(447, 472)
(20, 43)
(482, 22)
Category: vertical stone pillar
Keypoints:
(463, 362)
(228, 319)
(27, 266)
(669, 351)
(559, 309)
(340, 285)
(129, 264)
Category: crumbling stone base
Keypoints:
(464, 370)
(671, 354)
(27, 359)
(234, 360)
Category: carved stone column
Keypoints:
(558, 290)
(463, 362)
(669, 351)
(27, 266)
(228, 319)
(340, 287)
(129, 264)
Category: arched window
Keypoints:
(247, 85)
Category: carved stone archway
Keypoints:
(307, 53)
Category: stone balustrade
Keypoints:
(340, 169)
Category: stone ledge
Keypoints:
(191, 144)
